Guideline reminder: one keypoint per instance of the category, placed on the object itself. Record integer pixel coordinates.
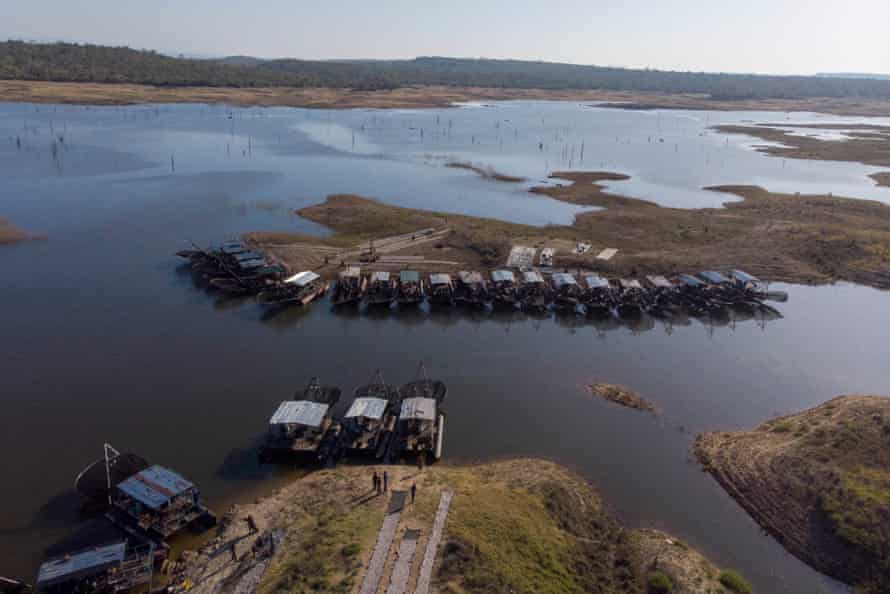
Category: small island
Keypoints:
(622, 395)
(819, 482)
(11, 234)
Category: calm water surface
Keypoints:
(105, 339)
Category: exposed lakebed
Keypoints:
(106, 340)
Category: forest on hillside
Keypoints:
(90, 63)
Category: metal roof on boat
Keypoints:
(80, 564)
(742, 276)
(351, 272)
(440, 278)
(380, 276)
(659, 282)
(418, 408)
(712, 276)
(301, 279)
(242, 256)
(299, 412)
(502, 275)
(594, 281)
(532, 276)
(630, 283)
(233, 249)
(469, 278)
(155, 486)
(689, 280)
(371, 408)
(409, 276)
(563, 278)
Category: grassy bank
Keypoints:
(522, 525)
(775, 236)
(819, 481)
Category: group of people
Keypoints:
(380, 484)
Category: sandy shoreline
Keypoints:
(10, 234)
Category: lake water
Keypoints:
(105, 339)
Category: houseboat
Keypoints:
(534, 294)
(158, 502)
(410, 289)
(350, 287)
(630, 298)
(299, 289)
(421, 424)
(112, 567)
(505, 293)
(304, 428)
(597, 297)
(471, 289)
(381, 289)
(567, 292)
(369, 423)
(441, 289)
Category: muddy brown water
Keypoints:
(107, 338)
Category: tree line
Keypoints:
(92, 63)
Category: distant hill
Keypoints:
(854, 75)
(91, 63)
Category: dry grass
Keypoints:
(621, 395)
(819, 481)
(774, 236)
(485, 172)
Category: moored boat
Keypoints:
(630, 298)
(381, 289)
(597, 297)
(304, 428)
(534, 294)
(410, 289)
(299, 289)
(421, 423)
(350, 287)
(471, 289)
(505, 292)
(441, 289)
(369, 423)
(567, 292)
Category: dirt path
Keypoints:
(374, 572)
(432, 545)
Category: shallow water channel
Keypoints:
(105, 339)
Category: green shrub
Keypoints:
(659, 583)
(734, 582)
(783, 427)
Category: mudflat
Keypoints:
(819, 482)
(417, 96)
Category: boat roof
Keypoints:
(155, 486)
(80, 564)
(712, 276)
(659, 281)
(595, 281)
(380, 275)
(532, 276)
(563, 278)
(469, 278)
(440, 278)
(351, 272)
(301, 279)
(418, 408)
(547, 252)
(409, 276)
(371, 408)
(502, 275)
(232, 249)
(689, 280)
(741, 275)
(629, 283)
(242, 256)
(299, 412)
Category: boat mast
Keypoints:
(108, 448)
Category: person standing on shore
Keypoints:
(385, 481)
(375, 482)
(413, 492)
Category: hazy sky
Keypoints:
(770, 36)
